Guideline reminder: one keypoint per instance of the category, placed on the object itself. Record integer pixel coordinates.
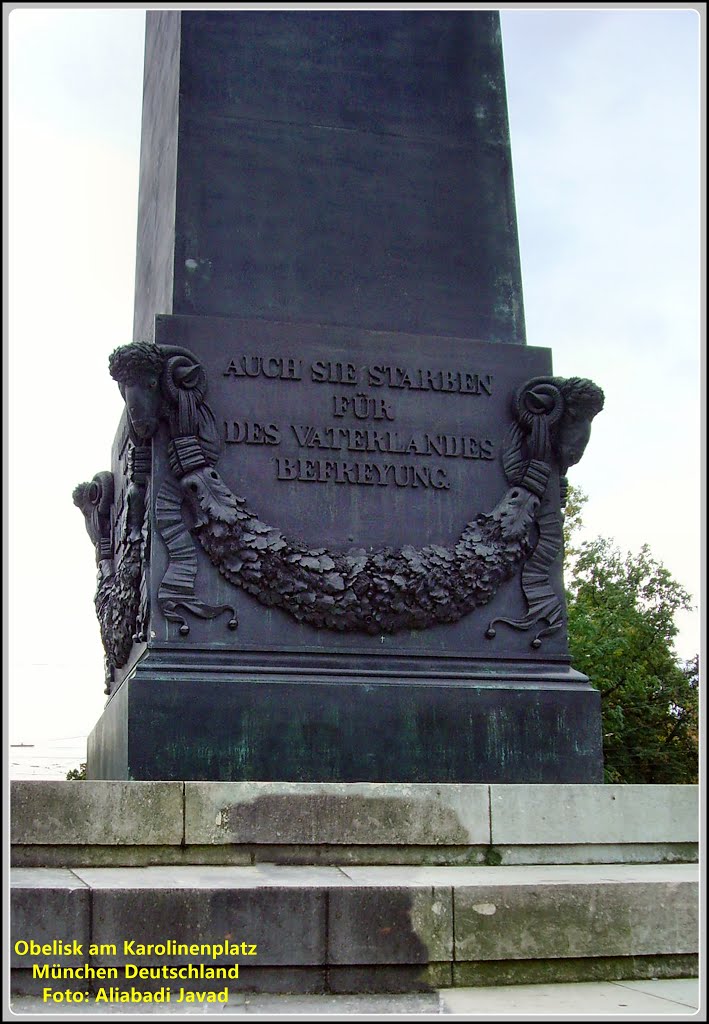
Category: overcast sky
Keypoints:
(604, 116)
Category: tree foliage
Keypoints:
(621, 633)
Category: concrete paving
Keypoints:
(678, 998)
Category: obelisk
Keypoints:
(330, 542)
(345, 167)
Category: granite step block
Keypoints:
(336, 917)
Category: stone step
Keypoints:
(70, 824)
(352, 928)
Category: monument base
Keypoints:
(206, 721)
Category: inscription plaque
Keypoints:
(343, 439)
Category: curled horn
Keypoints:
(100, 493)
(95, 498)
(183, 372)
(96, 493)
(184, 385)
(539, 404)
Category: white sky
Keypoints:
(604, 114)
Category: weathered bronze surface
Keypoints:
(330, 540)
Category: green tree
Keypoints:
(621, 633)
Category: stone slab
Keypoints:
(572, 969)
(593, 814)
(390, 925)
(677, 990)
(336, 813)
(413, 876)
(286, 925)
(207, 876)
(281, 910)
(46, 878)
(70, 824)
(605, 999)
(597, 853)
(99, 856)
(342, 856)
(518, 876)
(643, 916)
(48, 904)
(102, 812)
(389, 977)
